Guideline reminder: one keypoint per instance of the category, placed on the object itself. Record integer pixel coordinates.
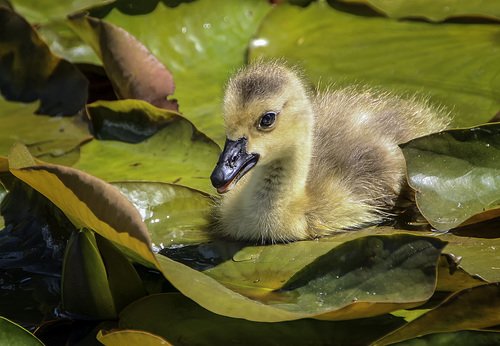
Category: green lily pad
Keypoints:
(350, 281)
(134, 72)
(29, 71)
(175, 215)
(12, 334)
(182, 322)
(456, 175)
(472, 308)
(176, 154)
(434, 10)
(131, 337)
(202, 44)
(50, 138)
(454, 64)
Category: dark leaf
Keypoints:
(29, 71)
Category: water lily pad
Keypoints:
(130, 337)
(455, 64)
(473, 308)
(176, 154)
(359, 271)
(324, 288)
(134, 72)
(12, 334)
(202, 44)
(175, 215)
(87, 201)
(456, 175)
(182, 322)
(29, 71)
(50, 138)
(434, 10)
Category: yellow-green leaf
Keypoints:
(49, 138)
(434, 10)
(175, 215)
(472, 308)
(130, 337)
(365, 277)
(178, 154)
(181, 321)
(12, 334)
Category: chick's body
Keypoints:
(327, 162)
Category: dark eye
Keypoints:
(267, 120)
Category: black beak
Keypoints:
(234, 163)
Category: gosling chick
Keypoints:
(300, 165)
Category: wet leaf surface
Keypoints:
(355, 50)
(367, 270)
(182, 322)
(29, 71)
(434, 10)
(176, 154)
(456, 175)
(360, 278)
(175, 215)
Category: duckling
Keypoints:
(299, 164)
